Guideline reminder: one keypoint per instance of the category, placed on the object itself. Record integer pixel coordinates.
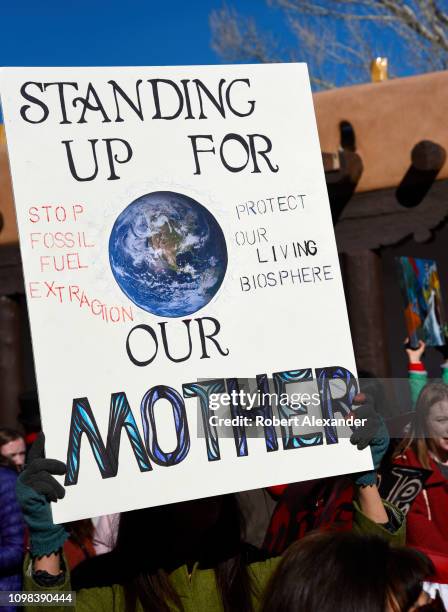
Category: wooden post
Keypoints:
(364, 292)
(10, 362)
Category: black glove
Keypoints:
(374, 434)
(363, 435)
(35, 488)
(38, 472)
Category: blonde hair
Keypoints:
(419, 439)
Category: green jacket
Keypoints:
(418, 379)
(198, 592)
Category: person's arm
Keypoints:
(368, 518)
(35, 488)
(45, 569)
(418, 377)
(105, 599)
(49, 563)
(12, 535)
(372, 514)
(371, 504)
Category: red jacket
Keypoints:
(427, 519)
(305, 506)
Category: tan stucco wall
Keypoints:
(389, 119)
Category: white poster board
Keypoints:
(175, 229)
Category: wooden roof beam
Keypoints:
(427, 159)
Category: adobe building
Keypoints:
(384, 155)
(388, 189)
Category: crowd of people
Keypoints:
(328, 544)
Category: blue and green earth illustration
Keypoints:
(168, 254)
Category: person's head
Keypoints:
(204, 530)
(329, 571)
(430, 429)
(12, 448)
(152, 542)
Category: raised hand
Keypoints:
(415, 354)
(36, 487)
(38, 472)
(372, 434)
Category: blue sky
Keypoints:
(115, 32)
(145, 32)
(131, 32)
(112, 32)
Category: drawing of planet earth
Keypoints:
(168, 254)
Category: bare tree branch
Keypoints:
(339, 38)
(441, 16)
(236, 38)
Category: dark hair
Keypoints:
(7, 435)
(419, 439)
(153, 542)
(329, 571)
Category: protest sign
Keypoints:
(176, 238)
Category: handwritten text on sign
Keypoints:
(177, 241)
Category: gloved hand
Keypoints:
(373, 433)
(35, 488)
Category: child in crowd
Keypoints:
(12, 448)
(427, 447)
(187, 556)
